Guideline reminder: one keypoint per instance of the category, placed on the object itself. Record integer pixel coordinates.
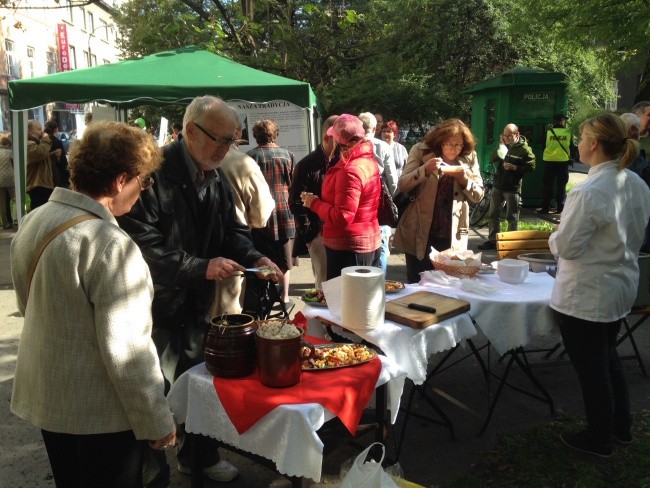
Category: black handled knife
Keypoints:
(421, 308)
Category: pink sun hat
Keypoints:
(345, 128)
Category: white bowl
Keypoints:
(512, 271)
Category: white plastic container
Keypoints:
(512, 271)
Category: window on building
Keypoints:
(104, 29)
(106, 61)
(30, 61)
(87, 58)
(93, 58)
(73, 57)
(50, 57)
(13, 67)
(91, 22)
(70, 11)
(83, 16)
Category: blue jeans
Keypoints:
(386, 232)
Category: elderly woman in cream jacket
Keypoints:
(87, 372)
(442, 175)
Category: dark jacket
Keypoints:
(60, 171)
(177, 243)
(521, 155)
(308, 176)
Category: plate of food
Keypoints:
(394, 286)
(333, 356)
(452, 168)
(314, 297)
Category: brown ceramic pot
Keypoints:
(230, 350)
(279, 360)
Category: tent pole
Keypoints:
(19, 136)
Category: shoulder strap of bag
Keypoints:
(48, 238)
(558, 141)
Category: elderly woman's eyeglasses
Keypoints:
(453, 146)
(146, 182)
(221, 142)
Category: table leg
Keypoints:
(493, 404)
(196, 465)
(628, 334)
(525, 367)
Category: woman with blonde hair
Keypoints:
(597, 243)
(442, 174)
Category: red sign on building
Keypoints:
(64, 51)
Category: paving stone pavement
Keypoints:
(429, 457)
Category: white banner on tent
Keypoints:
(292, 120)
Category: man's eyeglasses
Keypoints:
(508, 136)
(454, 146)
(221, 142)
(146, 182)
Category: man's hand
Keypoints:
(509, 167)
(274, 277)
(220, 268)
(168, 441)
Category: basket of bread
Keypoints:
(456, 263)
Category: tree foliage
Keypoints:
(411, 59)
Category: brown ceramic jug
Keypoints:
(229, 346)
(279, 360)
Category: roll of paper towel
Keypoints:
(362, 297)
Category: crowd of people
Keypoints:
(154, 242)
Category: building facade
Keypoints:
(36, 42)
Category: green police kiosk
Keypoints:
(527, 97)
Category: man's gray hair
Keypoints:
(369, 121)
(640, 107)
(198, 108)
(631, 120)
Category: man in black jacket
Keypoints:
(186, 227)
(308, 176)
(512, 159)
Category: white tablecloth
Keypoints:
(287, 435)
(409, 348)
(513, 315)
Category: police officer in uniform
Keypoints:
(557, 158)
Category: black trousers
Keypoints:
(99, 460)
(558, 172)
(415, 266)
(591, 346)
(39, 196)
(337, 260)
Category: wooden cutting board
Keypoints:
(397, 310)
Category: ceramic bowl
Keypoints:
(539, 261)
(512, 271)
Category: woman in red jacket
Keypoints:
(350, 197)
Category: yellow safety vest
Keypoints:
(557, 149)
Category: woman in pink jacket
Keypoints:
(350, 198)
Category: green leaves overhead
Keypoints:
(410, 59)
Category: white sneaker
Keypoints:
(222, 471)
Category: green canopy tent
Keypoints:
(158, 79)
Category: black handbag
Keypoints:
(387, 213)
(402, 200)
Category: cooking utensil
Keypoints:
(421, 308)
